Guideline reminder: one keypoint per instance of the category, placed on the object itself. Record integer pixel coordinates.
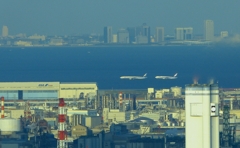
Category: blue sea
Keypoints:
(105, 65)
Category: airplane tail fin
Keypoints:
(175, 74)
(145, 75)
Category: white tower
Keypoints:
(179, 34)
(202, 121)
(208, 30)
(4, 31)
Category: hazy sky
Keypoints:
(72, 17)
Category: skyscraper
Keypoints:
(188, 33)
(146, 32)
(179, 34)
(208, 30)
(142, 34)
(202, 120)
(159, 34)
(132, 34)
(107, 31)
(183, 33)
(4, 31)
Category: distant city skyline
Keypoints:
(81, 17)
(130, 35)
(179, 33)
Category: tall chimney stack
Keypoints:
(62, 137)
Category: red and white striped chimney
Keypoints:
(61, 124)
(2, 107)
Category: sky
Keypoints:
(76, 17)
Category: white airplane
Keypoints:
(134, 77)
(167, 77)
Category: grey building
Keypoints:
(159, 34)
(184, 33)
(188, 33)
(146, 32)
(140, 39)
(107, 31)
(142, 34)
(132, 34)
(90, 141)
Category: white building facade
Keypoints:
(4, 31)
(202, 120)
(208, 30)
(179, 34)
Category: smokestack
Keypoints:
(2, 108)
(211, 81)
(61, 124)
(195, 80)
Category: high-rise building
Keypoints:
(132, 34)
(209, 30)
(115, 38)
(202, 116)
(188, 33)
(123, 36)
(142, 34)
(146, 32)
(107, 31)
(159, 34)
(184, 33)
(179, 34)
(4, 31)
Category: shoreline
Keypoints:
(116, 45)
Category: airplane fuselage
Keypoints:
(165, 77)
(132, 77)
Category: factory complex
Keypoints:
(65, 115)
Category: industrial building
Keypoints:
(115, 115)
(202, 116)
(80, 130)
(47, 90)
